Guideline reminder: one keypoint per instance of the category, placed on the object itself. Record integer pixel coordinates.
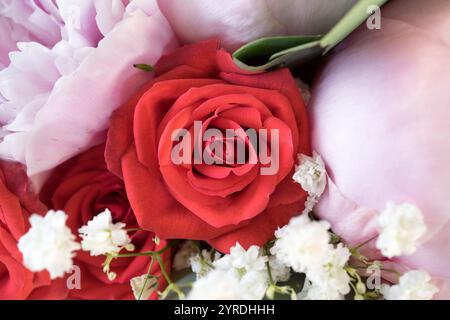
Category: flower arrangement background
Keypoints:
(94, 207)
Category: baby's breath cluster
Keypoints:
(328, 268)
(331, 270)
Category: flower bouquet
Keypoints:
(242, 149)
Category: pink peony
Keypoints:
(236, 22)
(380, 113)
(27, 20)
(55, 101)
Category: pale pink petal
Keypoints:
(31, 73)
(236, 22)
(12, 146)
(10, 34)
(24, 120)
(308, 17)
(39, 17)
(357, 224)
(80, 26)
(149, 7)
(109, 13)
(69, 58)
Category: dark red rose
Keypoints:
(221, 204)
(83, 188)
(17, 202)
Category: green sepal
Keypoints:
(294, 51)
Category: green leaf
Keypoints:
(265, 53)
(293, 51)
(352, 20)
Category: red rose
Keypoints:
(83, 187)
(17, 202)
(221, 204)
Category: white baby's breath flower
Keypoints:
(334, 277)
(400, 226)
(315, 292)
(249, 268)
(142, 288)
(201, 263)
(185, 252)
(254, 284)
(311, 174)
(101, 235)
(243, 260)
(280, 272)
(329, 277)
(413, 285)
(302, 244)
(310, 202)
(216, 285)
(49, 244)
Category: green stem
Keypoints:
(353, 287)
(136, 254)
(163, 269)
(269, 271)
(171, 284)
(146, 277)
(397, 273)
(155, 255)
(359, 246)
(148, 253)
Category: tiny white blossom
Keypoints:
(280, 272)
(49, 244)
(329, 277)
(254, 285)
(249, 268)
(101, 235)
(334, 277)
(311, 174)
(302, 244)
(310, 202)
(243, 260)
(315, 292)
(182, 257)
(216, 285)
(413, 285)
(400, 226)
(201, 263)
(139, 291)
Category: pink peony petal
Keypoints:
(10, 34)
(77, 112)
(80, 26)
(109, 13)
(39, 17)
(239, 21)
(380, 119)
